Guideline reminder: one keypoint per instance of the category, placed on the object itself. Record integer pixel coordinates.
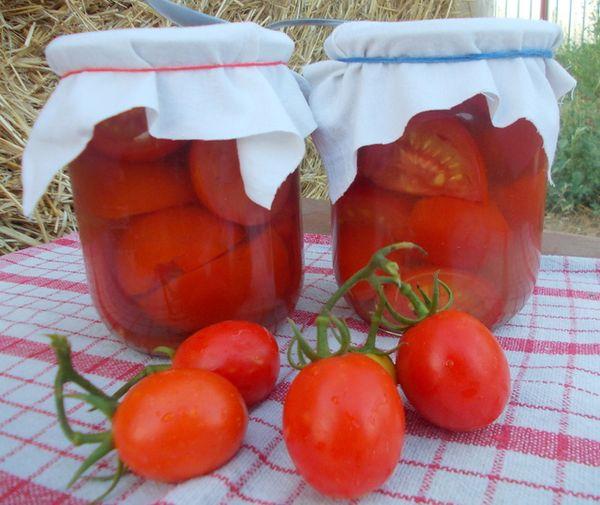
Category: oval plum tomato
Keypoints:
(436, 156)
(110, 189)
(244, 283)
(244, 353)
(216, 176)
(160, 246)
(472, 294)
(457, 233)
(343, 425)
(453, 371)
(178, 424)
(125, 137)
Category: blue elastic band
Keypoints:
(500, 55)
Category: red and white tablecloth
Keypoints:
(544, 449)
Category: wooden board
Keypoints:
(316, 217)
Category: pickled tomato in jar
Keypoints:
(471, 194)
(171, 241)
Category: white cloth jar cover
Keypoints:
(225, 81)
(381, 74)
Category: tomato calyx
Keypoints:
(379, 272)
(98, 400)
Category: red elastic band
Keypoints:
(174, 69)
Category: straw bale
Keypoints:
(27, 26)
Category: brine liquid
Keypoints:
(170, 240)
(472, 195)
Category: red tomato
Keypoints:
(522, 203)
(112, 189)
(216, 176)
(118, 310)
(244, 353)
(453, 371)
(343, 424)
(155, 248)
(472, 294)
(435, 156)
(179, 424)
(125, 137)
(457, 233)
(509, 152)
(245, 283)
(367, 218)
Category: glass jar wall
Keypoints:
(472, 195)
(172, 243)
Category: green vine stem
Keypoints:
(98, 400)
(378, 272)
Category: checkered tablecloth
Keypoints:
(544, 449)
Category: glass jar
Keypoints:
(170, 240)
(472, 195)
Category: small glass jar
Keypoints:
(472, 195)
(172, 243)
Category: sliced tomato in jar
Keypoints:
(472, 294)
(459, 234)
(244, 283)
(125, 137)
(112, 189)
(367, 218)
(158, 247)
(217, 179)
(510, 152)
(436, 156)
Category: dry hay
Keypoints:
(27, 26)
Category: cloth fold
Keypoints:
(227, 81)
(375, 81)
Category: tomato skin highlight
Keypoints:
(453, 371)
(343, 425)
(244, 353)
(179, 424)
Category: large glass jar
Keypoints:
(172, 243)
(472, 195)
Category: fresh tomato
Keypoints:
(472, 294)
(367, 218)
(216, 176)
(178, 424)
(125, 137)
(158, 247)
(509, 152)
(111, 189)
(386, 362)
(436, 156)
(343, 424)
(460, 234)
(245, 283)
(244, 353)
(453, 371)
